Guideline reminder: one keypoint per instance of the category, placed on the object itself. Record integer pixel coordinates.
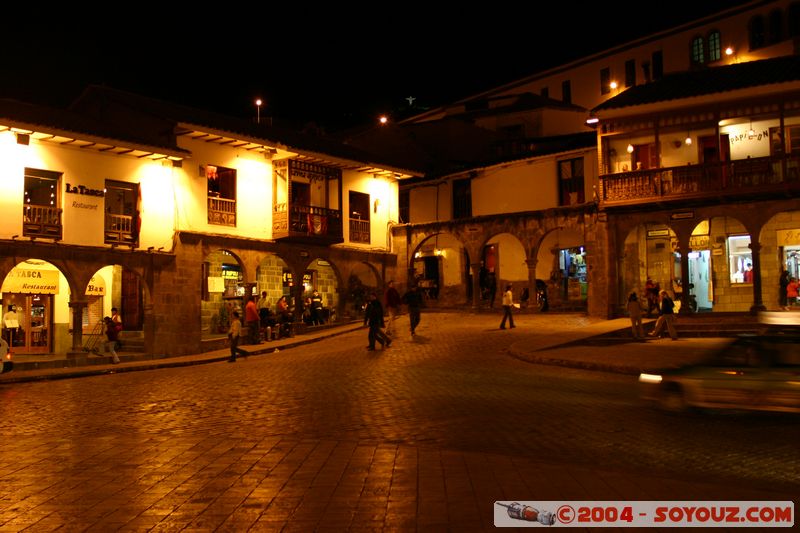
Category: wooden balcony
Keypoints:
(307, 224)
(359, 231)
(221, 211)
(754, 177)
(41, 221)
(119, 229)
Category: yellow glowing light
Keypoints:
(613, 85)
(630, 148)
(729, 51)
(383, 119)
(650, 378)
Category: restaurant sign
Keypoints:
(31, 281)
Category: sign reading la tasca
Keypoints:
(81, 189)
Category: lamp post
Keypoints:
(258, 110)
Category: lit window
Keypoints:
(740, 259)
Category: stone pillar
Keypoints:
(532, 283)
(297, 293)
(758, 304)
(476, 284)
(683, 246)
(77, 307)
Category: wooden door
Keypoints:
(132, 312)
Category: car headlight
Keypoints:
(650, 378)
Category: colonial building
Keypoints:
(686, 175)
(173, 215)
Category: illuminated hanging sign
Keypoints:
(788, 237)
(29, 281)
(96, 287)
(699, 242)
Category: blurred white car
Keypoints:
(754, 372)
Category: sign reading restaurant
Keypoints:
(28, 281)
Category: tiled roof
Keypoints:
(708, 81)
(100, 100)
(64, 122)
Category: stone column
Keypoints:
(476, 284)
(77, 307)
(683, 246)
(532, 283)
(758, 304)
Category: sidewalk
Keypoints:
(32, 368)
(603, 345)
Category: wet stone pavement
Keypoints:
(423, 436)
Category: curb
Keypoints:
(198, 359)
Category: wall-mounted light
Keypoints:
(729, 51)
(592, 121)
(613, 85)
(630, 148)
(376, 204)
(688, 140)
(751, 133)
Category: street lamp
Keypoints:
(258, 110)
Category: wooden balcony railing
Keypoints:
(119, 229)
(221, 211)
(308, 222)
(359, 230)
(739, 177)
(41, 221)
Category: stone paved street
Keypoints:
(424, 436)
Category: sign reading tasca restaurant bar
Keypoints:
(28, 281)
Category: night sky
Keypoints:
(326, 65)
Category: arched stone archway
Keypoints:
(503, 261)
(779, 250)
(440, 266)
(323, 276)
(363, 279)
(561, 264)
(222, 291)
(37, 294)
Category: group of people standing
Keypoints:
(666, 316)
(259, 317)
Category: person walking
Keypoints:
(667, 317)
(373, 317)
(783, 284)
(111, 334)
(251, 318)
(413, 299)
(392, 300)
(635, 313)
(234, 334)
(508, 304)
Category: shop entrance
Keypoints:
(791, 258)
(35, 317)
(572, 264)
(699, 277)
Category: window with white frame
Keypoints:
(740, 259)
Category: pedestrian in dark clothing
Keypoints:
(373, 317)
(392, 306)
(413, 299)
(316, 309)
(491, 287)
(667, 317)
(111, 333)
